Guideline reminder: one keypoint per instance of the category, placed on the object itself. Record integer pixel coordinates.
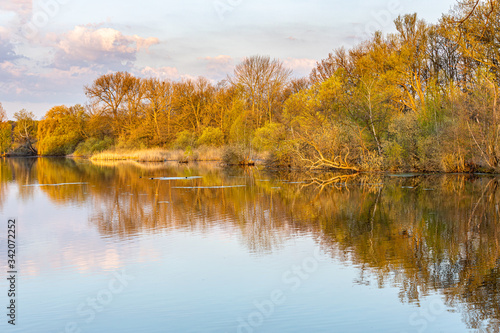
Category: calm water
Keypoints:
(199, 248)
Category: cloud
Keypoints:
(163, 73)
(89, 45)
(219, 66)
(22, 83)
(9, 69)
(300, 67)
(7, 52)
(4, 33)
(23, 8)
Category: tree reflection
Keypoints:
(423, 234)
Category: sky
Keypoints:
(51, 49)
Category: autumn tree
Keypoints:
(114, 96)
(5, 132)
(326, 68)
(193, 100)
(158, 125)
(317, 139)
(61, 130)
(228, 106)
(412, 61)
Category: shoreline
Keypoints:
(260, 163)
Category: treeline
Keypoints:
(424, 98)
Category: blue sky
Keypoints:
(50, 49)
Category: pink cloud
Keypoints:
(24, 8)
(99, 45)
(4, 33)
(300, 66)
(220, 65)
(10, 69)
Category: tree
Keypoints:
(473, 26)
(319, 140)
(3, 114)
(262, 81)
(158, 124)
(25, 130)
(112, 94)
(61, 130)
(339, 59)
(5, 132)
(412, 61)
(194, 99)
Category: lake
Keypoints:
(129, 247)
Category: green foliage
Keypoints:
(269, 137)
(401, 148)
(282, 155)
(61, 130)
(92, 146)
(242, 129)
(184, 140)
(59, 145)
(131, 142)
(211, 137)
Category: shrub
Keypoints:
(282, 155)
(188, 156)
(92, 146)
(211, 137)
(269, 137)
(184, 140)
(58, 145)
(401, 147)
(371, 161)
(236, 155)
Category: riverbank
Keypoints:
(234, 155)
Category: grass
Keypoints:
(160, 155)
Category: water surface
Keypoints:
(128, 247)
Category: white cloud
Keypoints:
(163, 73)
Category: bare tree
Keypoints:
(262, 81)
(158, 96)
(110, 92)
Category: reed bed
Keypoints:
(161, 155)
